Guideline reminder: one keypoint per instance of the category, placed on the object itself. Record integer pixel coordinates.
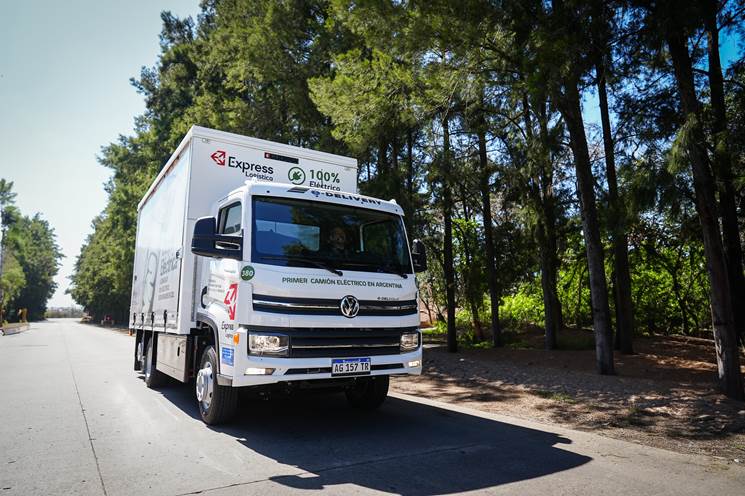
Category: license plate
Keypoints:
(350, 366)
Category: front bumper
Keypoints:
(302, 369)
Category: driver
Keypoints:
(338, 241)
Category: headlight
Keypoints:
(409, 341)
(268, 344)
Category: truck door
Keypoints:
(224, 272)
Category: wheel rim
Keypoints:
(205, 386)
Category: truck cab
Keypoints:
(306, 285)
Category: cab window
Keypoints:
(230, 219)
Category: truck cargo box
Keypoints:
(206, 166)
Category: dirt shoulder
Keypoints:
(663, 396)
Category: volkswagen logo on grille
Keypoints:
(349, 306)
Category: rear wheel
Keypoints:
(368, 393)
(153, 377)
(217, 404)
(140, 356)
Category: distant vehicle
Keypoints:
(108, 320)
(258, 265)
(86, 318)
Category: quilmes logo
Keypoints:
(249, 169)
(296, 175)
(219, 157)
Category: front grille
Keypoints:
(321, 370)
(322, 306)
(341, 342)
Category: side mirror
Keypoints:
(419, 256)
(207, 243)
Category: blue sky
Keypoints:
(65, 92)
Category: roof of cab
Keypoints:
(339, 197)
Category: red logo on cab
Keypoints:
(230, 300)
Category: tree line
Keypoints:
(29, 260)
(473, 116)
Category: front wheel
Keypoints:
(368, 393)
(217, 404)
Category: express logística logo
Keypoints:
(249, 169)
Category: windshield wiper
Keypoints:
(317, 263)
(389, 268)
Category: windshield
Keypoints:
(300, 233)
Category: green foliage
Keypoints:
(363, 95)
(7, 195)
(30, 259)
(523, 307)
(12, 281)
(34, 245)
(377, 80)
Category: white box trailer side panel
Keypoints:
(159, 250)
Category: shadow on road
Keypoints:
(405, 447)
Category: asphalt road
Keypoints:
(75, 419)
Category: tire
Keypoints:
(153, 377)
(139, 357)
(217, 404)
(368, 393)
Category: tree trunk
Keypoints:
(538, 196)
(394, 184)
(447, 212)
(382, 169)
(551, 333)
(578, 307)
(491, 270)
(409, 180)
(616, 219)
(723, 172)
(549, 215)
(569, 105)
(472, 296)
(725, 336)
(680, 301)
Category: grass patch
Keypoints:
(559, 396)
(435, 331)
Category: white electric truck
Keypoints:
(258, 265)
